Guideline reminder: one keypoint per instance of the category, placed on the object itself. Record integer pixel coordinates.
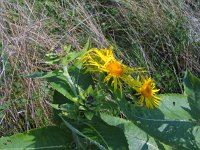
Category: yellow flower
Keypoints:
(147, 93)
(103, 60)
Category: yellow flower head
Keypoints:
(103, 60)
(147, 93)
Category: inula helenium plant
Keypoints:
(103, 60)
(102, 103)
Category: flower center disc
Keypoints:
(115, 68)
(146, 90)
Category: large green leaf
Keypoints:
(59, 83)
(98, 133)
(44, 138)
(68, 85)
(171, 123)
(136, 138)
(172, 107)
(175, 122)
(57, 80)
(192, 90)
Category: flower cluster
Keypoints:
(103, 60)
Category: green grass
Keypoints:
(161, 36)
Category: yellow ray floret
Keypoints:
(147, 93)
(103, 60)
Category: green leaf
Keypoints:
(172, 107)
(100, 134)
(170, 123)
(136, 138)
(192, 90)
(43, 75)
(67, 48)
(60, 84)
(82, 53)
(58, 99)
(69, 57)
(44, 138)
(77, 132)
(52, 58)
(58, 81)
(89, 115)
(83, 80)
(87, 45)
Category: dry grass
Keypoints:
(23, 40)
(162, 36)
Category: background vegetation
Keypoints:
(163, 36)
